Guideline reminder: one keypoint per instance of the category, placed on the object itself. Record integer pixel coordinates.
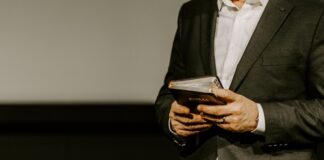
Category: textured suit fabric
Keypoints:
(282, 68)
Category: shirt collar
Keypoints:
(220, 3)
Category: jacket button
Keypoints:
(181, 144)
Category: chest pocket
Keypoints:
(281, 60)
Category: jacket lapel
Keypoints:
(207, 33)
(273, 17)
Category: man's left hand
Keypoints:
(240, 114)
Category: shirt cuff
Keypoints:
(176, 139)
(170, 129)
(261, 122)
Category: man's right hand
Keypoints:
(184, 123)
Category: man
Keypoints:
(269, 56)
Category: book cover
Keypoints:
(195, 91)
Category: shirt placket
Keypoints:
(235, 49)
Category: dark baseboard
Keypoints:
(78, 117)
(83, 131)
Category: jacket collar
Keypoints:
(273, 17)
(221, 3)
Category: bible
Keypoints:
(195, 91)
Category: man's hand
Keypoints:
(240, 114)
(184, 123)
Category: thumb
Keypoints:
(224, 94)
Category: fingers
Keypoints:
(182, 114)
(183, 133)
(224, 94)
(179, 109)
(188, 130)
(238, 115)
(185, 123)
(214, 119)
(229, 123)
(219, 111)
(196, 127)
(233, 127)
(222, 119)
(193, 119)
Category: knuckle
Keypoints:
(197, 118)
(237, 119)
(184, 134)
(175, 127)
(197, 127)
(182, 120)
(174, 123)
(186, 127)
(205, 126)
(203, 108)
(173, 106)
(179, 120)
(237, 109)
(179, 132)
(231, 127)
(179, 128)
(184, 110)
(188, 121)
(171, 115)
(216, 112)
(238, 112)
(226, 93)
(240, 97)
(236, 127)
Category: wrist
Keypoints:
(260, 129)
(255, 118)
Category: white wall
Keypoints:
(84, 50)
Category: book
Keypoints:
(195, 91)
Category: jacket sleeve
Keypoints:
(301, 121)
(176, 70)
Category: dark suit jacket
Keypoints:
(282, 68)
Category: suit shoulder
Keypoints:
(194, 7)
(314, 5)
(194, 3)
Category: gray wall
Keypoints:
(84, 50)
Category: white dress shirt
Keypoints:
(234, 29)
